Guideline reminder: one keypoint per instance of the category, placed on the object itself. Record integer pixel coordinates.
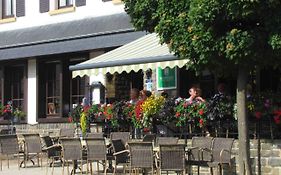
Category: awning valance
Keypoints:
(143, 53)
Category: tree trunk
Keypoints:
(243, 135)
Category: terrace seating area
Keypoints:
(116, 153)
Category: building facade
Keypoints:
(40, 39)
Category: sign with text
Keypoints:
(166, 78)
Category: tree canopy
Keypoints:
(221, 35)
(214, 33)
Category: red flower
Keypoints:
(70, 119)
(178, 114)
(201, 121)
(109, 116)
(201, 112)
(277, 120)
(258, 115)
(138, 110)
(185, 104)
(86, 108)
(146, 129)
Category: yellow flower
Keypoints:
(233, 31)
(189, 29)
(229, 46)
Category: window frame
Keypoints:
(80, 82)
(53, 96)
(67, 2)
(3, 10)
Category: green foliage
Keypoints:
(219, 34)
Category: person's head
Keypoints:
(144, 94)
(164, 94)
(193, 91)
(134, 94)
(221, 88)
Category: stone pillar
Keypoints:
(32, 92)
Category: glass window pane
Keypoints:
(62, 3)
(8, 5)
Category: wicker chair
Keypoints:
(195, 155)
(71, 151)
(172, 158)
(124, 136)
(53, 152)
(149, 138)
(120, 154)
(166, 140)
(67, 132)
(32, 148)
(220, 153)
(9, 147)
(95, 135)
(141, 156)
(96, 152)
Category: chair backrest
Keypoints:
(149, 138)
(32, 143)
(96, 148)
(124, 136)
(95, 135)
(172, 157)
(67, 132)
(5, 131)
(166, 140)
(141, 154)
(118, 145)
(199, 143)
(48, 141)
(220, 144)
(51, 151)
(71, 148)
(9, 144)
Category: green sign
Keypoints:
(166, 78)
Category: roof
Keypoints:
(143, 53)
(80, 35)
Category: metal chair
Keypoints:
(141, 156)
(9, 147)
(53, 152)
(124, 136)
(32, 148)
(71, 151)
(149, 138)
(96, 152)
(166, 140)
(220, 153)
(120, 154)
(195, 155)
(67, 132)
(172, 158)
(95, 135)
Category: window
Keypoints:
(79, 90)
(64, 3)
(14, 86)
(53, 98)
(7, 9)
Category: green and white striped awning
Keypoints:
(143, 53)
